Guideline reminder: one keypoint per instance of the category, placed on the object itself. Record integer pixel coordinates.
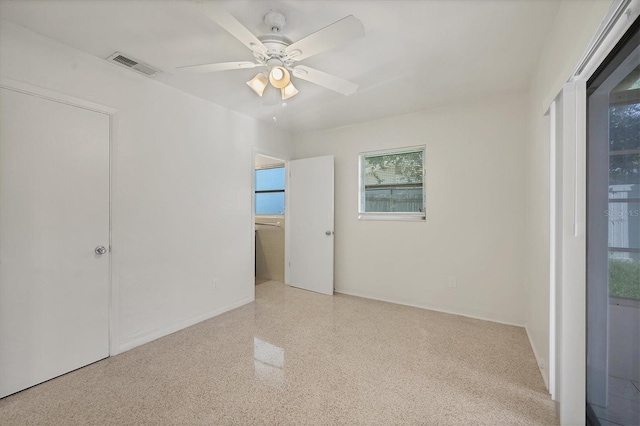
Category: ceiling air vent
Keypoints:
(132, 64)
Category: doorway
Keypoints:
(269, 219)
(300, 217)
(613, 236)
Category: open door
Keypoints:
(310, 215)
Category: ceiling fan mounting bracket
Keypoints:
(275, 21)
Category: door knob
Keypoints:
(100, 250)
(328, 233)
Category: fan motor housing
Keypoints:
(275, 44)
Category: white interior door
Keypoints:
(310, 216)
(54, 214)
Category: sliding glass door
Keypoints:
(613, 237)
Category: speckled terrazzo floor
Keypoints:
(295, 358)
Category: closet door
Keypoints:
(54, 239)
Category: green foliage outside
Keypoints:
(624, 278)
(624, 134)
(407, 166)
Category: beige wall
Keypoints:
(576, 23)
(270, 248)
(475, 210)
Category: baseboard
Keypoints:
(433, 308)
(142, 338)
(539, 360)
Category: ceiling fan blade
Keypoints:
(223, 18)
(346, 29)
(325, 80)
(222, 66)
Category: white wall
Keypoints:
(181, 187)
(475, 210)
(575, 25)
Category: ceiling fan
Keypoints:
(279, 54)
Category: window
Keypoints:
(392, 185)
(270, 191)
(624, 190)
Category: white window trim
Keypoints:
(397, 216)
(394, 216)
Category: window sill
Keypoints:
(400, 217)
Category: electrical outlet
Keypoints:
(452, 282)
(215, 284)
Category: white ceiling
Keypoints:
(415, 55)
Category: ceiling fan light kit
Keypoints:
(279, 54)
(258, 83)
(279, 77)
(288, 91)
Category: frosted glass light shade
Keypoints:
(277, 73)
(288, 91)
(279, 77)
(258, 83)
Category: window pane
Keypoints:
(624, 208)
(624, 225)
(393, 182)
(269, 179)
(394, 200)
(624, 169)
(270, 203)
(393, 169)
(624, 127)
(624, 275)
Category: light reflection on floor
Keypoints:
(268, 363)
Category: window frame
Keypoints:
(392, 216)
(267, 191)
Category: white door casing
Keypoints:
(54, 213)
(311, 223)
